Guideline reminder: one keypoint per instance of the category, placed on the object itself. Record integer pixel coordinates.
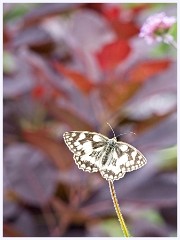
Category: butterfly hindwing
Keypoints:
(85, 164)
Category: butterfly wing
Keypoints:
(111, 170)
(132, 158)
(124, 158)
(87, 148)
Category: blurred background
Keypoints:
(75, 67)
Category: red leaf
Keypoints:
(138, 8)
(81, 81)
(112, 54)
(112, 13)
(117, 92)
(47, 92)
(125, 30)
(38, 92)
(143, 71)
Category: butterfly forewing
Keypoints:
(94, 152)
(87, 148)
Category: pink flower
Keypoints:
(156, 27)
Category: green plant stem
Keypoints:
(173, 44)
(118, 210)
(168, 40)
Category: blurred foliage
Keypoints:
(168, 158)
(173, 31)
(76, 66)
(153, 216)
(111, 228)
(161, 50)
(9, 65)
(16, 11)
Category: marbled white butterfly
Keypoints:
(95, 152)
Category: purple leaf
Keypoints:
(29, 173)
(161, 136)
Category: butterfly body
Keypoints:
(107, 151)
(95, 152)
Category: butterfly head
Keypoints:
(113, 141)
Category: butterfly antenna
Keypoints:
(111, 129)
(125, 133)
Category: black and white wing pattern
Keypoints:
(87, 148)
(123, 158)
(95, 152)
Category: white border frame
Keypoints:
(1, 104)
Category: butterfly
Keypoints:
(95, 152)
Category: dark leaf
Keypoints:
(9, 231)
(33, 37)
(155, 192)
(10, 209)
(70, 117)
(47, 10)
(145, 228)
(30, 175)
(20, 83)
(169, 214)
(163, 135)
(54, 148)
